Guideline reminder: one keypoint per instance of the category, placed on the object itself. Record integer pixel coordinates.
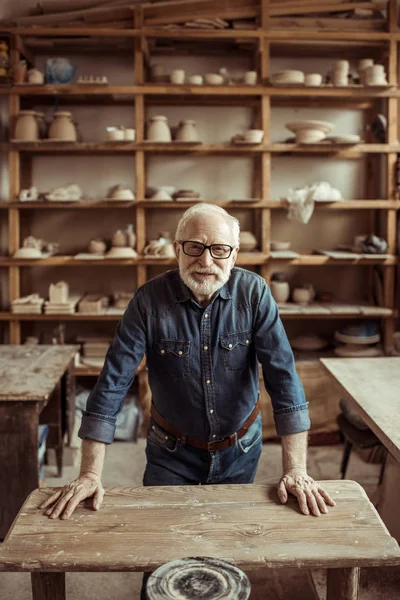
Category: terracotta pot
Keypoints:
(62, 128)
(26, 127)
(248, 241)
(159, 130)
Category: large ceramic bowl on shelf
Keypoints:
(323, 126)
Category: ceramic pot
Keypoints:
(159, 130)
(26, 127)
(177, 76)
(19, 71)
(187, 131)
(302, 296)
(248, 241)
(119, 239)
(62, 128)
(35, 76)
(166, 250)
(280, 291)
(250, 77)
(97, 246)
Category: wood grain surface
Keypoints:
(31, 372)
(373, 387)
(141, 528)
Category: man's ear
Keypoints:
(235, 255)
(177, 248)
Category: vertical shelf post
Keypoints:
(265, 179)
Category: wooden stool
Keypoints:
(198, 578)
(142, 528)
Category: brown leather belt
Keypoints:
(210, 446)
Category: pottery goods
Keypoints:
(158, 130)
(162, 248)
(344, 139)
(309, 136)
(309, 342)
(363, 64)
(213, 79)
(250, 77)
(120, 192)
(114, 134)
(97, 246)
(311, 131)
(254, 136)
(303, 295)
(59, 70)
(375, 75)
(26, 127)
(119, 239)
(187, 131)
(287, 77)
(92, 80)
(62, 128)
(196, 79)
(177, 76)
(313, 79)
(130, 236)
(353, 350)
(18, 72)
(58, 292)
(161, 195)
(340, 73)
(28, 195)
(248, 241)
(130, 134)
(277, 245)
(280, 291)
(358, 333)
(35, 76)
(121, 252)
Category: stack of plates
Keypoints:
(287, 77)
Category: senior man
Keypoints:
(203, 327)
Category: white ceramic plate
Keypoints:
(343, 139)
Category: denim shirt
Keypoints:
(202, 362)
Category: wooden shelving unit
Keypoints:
(261, 98)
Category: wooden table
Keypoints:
(37, 386)
(141, 528)
(372, 385)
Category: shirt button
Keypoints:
(180, 352)
(208, 381)
(214, 436)
(206, 316)
(162, 351)
(205, 348)
(247, 341)
(211, 411)
(230, 346)
(165, 437)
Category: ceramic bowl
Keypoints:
(309, 136)
(324, 126)
(254, 135)
(27, 253)
(278, 245)
(121, 252)
(313, 79)
(124, 194)
(196, 79)
(213, 79)
(161, 195)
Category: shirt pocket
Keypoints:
(235, 350)
(172, 358)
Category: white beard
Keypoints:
(205, 288)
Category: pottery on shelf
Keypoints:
(248, 241)
(187, 131)
(28, 195)
(35, 76)
(62, 127)
(97, 246)
(280, 291)
(58, 292)
(161, 195)
(254, 136)
(121, 252)
(158, 130)
(119, 239)
(162, 248)
(177, 76)
(250, 78)
(130, 236)
(26, 127)
(277, 245)
(196, 79)
(18, 71)
(303, 294)
(213, 79)
(115, 134)
(120, 192)
(313, 79)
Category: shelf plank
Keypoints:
(343, 204)
(315, 260)
(81, 205)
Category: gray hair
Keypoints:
(202, 209)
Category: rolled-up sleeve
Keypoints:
(122, 360)
(281, 380)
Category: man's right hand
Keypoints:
(64, 501)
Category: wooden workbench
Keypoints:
(141, 528)
(37, 386)
(372, 385)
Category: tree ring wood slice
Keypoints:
(198, 578)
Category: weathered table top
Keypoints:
(31, 372)
(373, 386)
(141, 528)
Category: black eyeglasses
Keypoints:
(197, 248)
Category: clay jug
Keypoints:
(159, 130)
(187, 131)
(119, 239)
(62, 128)
(26, 127)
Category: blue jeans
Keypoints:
(170, 462)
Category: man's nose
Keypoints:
(206, 258)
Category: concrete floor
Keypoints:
(124, 466)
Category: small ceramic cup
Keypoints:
(130, 135)
(254, 136)
(313, 79)
(250, 77)
(177, 77)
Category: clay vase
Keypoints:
(130, 236)
(119, 239)
(187, 131)
(62, 128)
(19, 71)
(97, 246)
(26, 127)
(159, 130)
(280, 291)
(248, 241)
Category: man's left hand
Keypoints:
(310, 495)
